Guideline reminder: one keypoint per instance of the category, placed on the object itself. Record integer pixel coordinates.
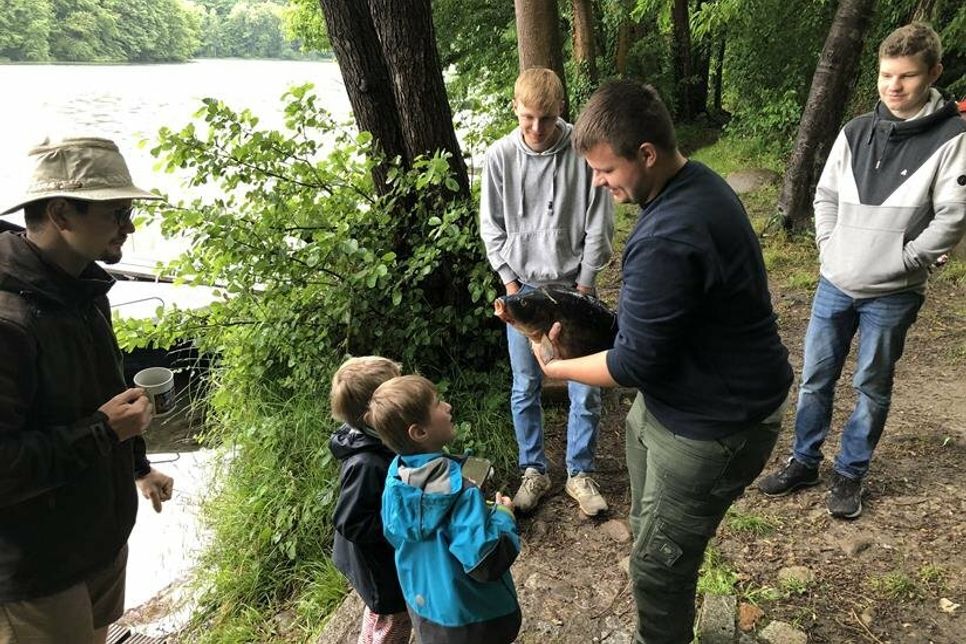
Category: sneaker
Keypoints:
(584, 489)
(792, 477)
(532, 488)
(845, 497)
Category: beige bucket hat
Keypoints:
(88, 168)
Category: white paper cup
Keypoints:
(158, 382)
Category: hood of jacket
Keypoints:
(422, 488)
(347, 441)
(25, 271)
(936, 110)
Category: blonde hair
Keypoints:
(397, 405)
(353, 384)
(914, 38)
(539, 88)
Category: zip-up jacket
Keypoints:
(67, 495)
(360, 550)
(453, 553)
(541, 219)
(892, 199)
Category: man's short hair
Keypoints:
(35, 212)
(353, 384)
(397, 405)
(914, 38)
(539, 88)
(624, 114)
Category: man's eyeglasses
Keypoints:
(123, 216)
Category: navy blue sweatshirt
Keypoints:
(697, 334)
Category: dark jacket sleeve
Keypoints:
(358, 510)
(663, 282)
(32, 461)
(142, 466)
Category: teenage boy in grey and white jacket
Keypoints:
(543, 222)
(891, 201)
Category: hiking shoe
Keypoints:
(584, 489)
(845, 497)
(532, 488)
(788, 479)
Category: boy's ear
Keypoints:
(416, 433)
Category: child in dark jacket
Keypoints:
(361, 551)
(453, 552)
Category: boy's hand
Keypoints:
(504, 501)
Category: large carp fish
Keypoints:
(586, 325)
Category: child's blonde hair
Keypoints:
(353, 384)
(539, 88)
(397, 405)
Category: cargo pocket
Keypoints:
(664, 550)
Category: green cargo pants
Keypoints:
(680, 491)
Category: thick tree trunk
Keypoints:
(584, 50)
(832, 84)
(683, 71)
(538, 39)
(366, 77)
(409, 45)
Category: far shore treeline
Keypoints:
(145, 31)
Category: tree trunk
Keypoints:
(538, 39)
(683, 72)
(366, 77)
(832, 84)
(701, 72)
(409, 46)
(718, 72)
(584, 50)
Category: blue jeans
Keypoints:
(882, 323)
(528, 413)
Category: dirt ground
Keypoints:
(879, 578)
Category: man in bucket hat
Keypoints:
(70, 444)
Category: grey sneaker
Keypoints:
(532, 488)
(845, 498)
(788, 479)
(584, 489)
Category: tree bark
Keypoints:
(585, 51)
(683, 72)
(538, 39)
(832, 85)
(719, 71)
(408, 42)
(366, 76)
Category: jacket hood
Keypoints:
(348, 441)
(25, 271)
(936, 110)
(423, 489)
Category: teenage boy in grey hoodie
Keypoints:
(543, 222)
(890, 203)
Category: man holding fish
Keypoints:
(697, 337)
(544, 223)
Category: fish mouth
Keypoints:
(500, 311)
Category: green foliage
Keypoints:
(312, 263)
(303, 22)
(716, 576)
(25, 30)
(896, 586)
(751, 523)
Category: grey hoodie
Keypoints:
(892, 199)
(541, 219)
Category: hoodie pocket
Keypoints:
(542, 256)
(863, 259)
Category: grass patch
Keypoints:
(954, 272)
(896, 586)
(731, 153)
(932, 577)
(794, 586)
(716, 576)
(761, 594)
(751, 523)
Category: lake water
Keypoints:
(128, 103)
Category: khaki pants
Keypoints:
(70, 616)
